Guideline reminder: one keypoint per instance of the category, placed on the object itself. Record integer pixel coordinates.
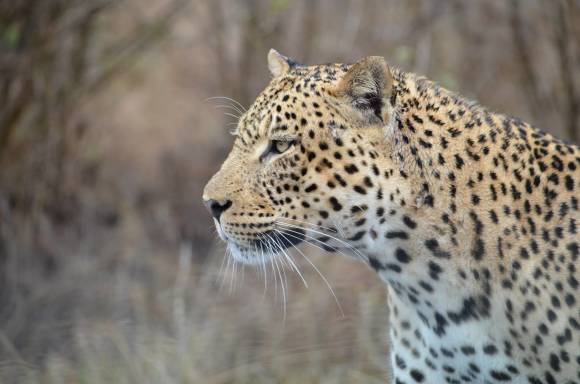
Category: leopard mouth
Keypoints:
(266, 245)
(279, 238)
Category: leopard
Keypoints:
(469, 217)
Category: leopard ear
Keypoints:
(279, 64)
(367, 85)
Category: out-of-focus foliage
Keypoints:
(109, 270)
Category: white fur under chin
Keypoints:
(219, 229)
(248, 256)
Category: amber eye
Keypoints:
(280, 146)
(277, 147)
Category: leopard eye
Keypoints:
(277, 147)
(281, 146)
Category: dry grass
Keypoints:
(182, 322)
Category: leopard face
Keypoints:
(309, 159)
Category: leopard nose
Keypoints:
(217, 207)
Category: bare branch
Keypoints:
(563, 39)
(523, 55)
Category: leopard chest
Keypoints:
(424, 351)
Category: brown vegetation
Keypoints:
(109, 270)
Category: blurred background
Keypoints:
(110, 269)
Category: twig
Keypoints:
(571, 99)
(530, 82)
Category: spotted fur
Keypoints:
(470, 217)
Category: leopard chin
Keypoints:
(266, 246)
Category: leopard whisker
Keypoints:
(282, 286)
(227, 98)
(227, 268)
(334, 230)
(236, 117)
(221, 269)
(349, 246)
(293, 265)
(233, 278)
(317, 240)
(231, 107)
(275, 278)
(264, 269)
(317, 271)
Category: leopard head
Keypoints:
(311, 161)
